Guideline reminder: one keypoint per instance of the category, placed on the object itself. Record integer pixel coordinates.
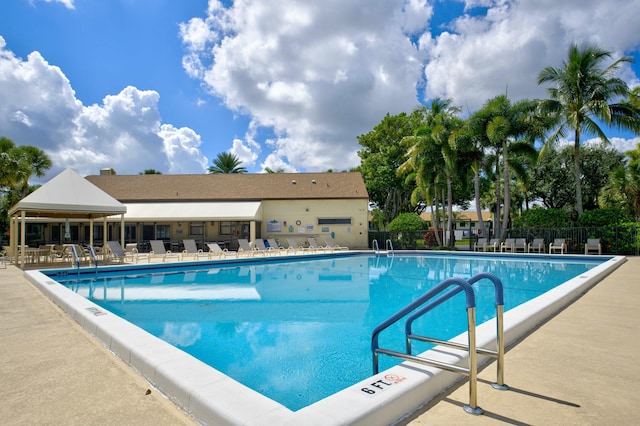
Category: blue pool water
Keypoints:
(298, 330)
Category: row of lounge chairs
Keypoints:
(191, 252)
(520, 245)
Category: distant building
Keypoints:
(222, 208)
(465, 222)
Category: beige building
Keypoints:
(465, 221)
(225, 207)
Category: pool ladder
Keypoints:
(76, 257)
(426, 303)
(388, 245)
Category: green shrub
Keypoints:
(407, 222)
(602, 217)
(543, 218)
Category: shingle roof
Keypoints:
(229, 187)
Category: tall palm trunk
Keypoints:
(496, 219)
(476, 188)
(578, 172)
(450, 240)
(507, 193)
(436, 220)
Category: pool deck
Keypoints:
(582, 367)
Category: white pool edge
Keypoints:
(211, 397)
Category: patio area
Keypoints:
(578, 368)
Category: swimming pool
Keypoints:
(328, 294)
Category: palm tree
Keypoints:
(623, 188)
(582, 95)
(471, 150)
(508, 132)
(269, 170)
(227, 162)
(33, 162)
(432, 155)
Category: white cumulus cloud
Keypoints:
(503, 50)
(38, 107)
(316, 74)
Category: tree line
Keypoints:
(18, 164)
(506, 155)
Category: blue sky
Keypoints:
(138, 84)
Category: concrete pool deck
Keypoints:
(578, 368)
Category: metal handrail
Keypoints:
(389, 247)
(95, 257)
(376, 249)
(498, 353)
(76, 257)
(472, 370)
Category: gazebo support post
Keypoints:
(122, 230)
(23, 236)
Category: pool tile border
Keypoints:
(213, 398)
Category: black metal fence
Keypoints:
(619, 240)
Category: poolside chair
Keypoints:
(558, 245)
(293, 246)
(216, 251)
(273, 245)
(158, 250)
(245, 248)
(508, 245)
(116, 252)
(260, 247)
(314, 246)
(131, 252)
(593, 245)
(481, 244)
(537, 245)
(190, 249)
(332, 244)
(520, 245)
(4, 257)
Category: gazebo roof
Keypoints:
(68, 195)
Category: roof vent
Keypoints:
(293, 181)
(107, 171)
(313, 181)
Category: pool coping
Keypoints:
(213, 398)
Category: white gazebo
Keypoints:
(67, 196)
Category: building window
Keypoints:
(163, 232)
(196, 228)
(130, 234)
(335, 221)
(225, 228)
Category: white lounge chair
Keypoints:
(158, 250)
(481, 244)
(116, 251)
(593, 246)
(313, 245)
(192, 250)
(537, 245)
(273, 245)
(216, 251)
(508, 244)
(244, 248)
(558, 245)
(261, 248)
(131, 252)
(484, 244)
(295, 247)
(332, 244)
(520, 245)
